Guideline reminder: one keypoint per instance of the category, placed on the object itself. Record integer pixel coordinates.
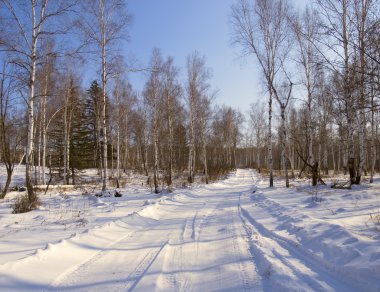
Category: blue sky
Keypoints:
(179, 27)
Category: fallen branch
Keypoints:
(342, 186)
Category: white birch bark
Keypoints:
(39, 141)
(30, 106)
(270, 150)
(373, 136)
(126, 154)
(118, 134)
(104, 93)
(261, 29)
(44, 126)
(66, 137)
(362, 8)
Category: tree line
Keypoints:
(57, 126)
(320, 69)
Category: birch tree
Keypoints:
(204, 114)
(362, 10)
(45, 92)
(70, 102)
(306, 33)
(196, 88)
(373, 90)
(172, 91)
(104, 25)
(152, 94)
(261, 28)
(9, 134)
(257, 123)
(28, 23)
(337, 34)
(117, 96)
(125, 98)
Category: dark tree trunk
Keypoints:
(7, 183)
(73, 175)
(351, 169)
(314, 171)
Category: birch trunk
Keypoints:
(362, 8)
(66, 140)
(283, 147)
(373, 136)
(361, 127)
(325, 158)
(104, 94)
(112, 162)
(270, 152)
(170, 127)
(333, 157)
(126, 143)
(118, 149)
(339, 158)
(191, 143)
(30, 119)
(204, 151)
(118, 152)
(118, 132)
(347, 96)
(258, 157)
(44, 127)
(4, 138)
(155, 145)
(99, 151)
(39, 142)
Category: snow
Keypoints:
(232, 235)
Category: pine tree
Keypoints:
(93, 107)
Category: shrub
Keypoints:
(22, 205)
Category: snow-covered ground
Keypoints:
(232, 235)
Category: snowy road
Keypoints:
(193, 242)
(205, 239)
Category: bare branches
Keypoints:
(17, 19)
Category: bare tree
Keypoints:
(336, 38)
(306, 32)
(373, 90)
(9, 137)
(257, 118)
(203, 116)
(125, 98)
(362, 9)
(153, 95)
(226, 128)
(172, 90)
(262, 29)
(117, 96)
(104, 23)
(69, 104)
(45, 92)
(196, 89)
(29, 22)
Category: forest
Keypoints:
(318, 113)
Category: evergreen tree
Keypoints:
(93, 110)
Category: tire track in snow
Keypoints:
(191, 246)
(260, 239)
(141, 269)
(72, 272)
(238, 258)
(248, 270)
(172, 276)
(79, 276)
(182, 253)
